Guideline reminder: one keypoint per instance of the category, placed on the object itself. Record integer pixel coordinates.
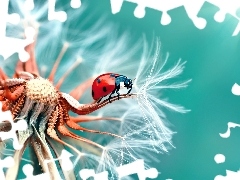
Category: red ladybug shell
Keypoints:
(103, 85)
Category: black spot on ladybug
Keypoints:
(104, 89)
(98, 80)
(92, 93)
(112, 75)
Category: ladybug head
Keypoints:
(128, 83)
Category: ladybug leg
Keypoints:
(129, 90)
(110, 96)
(117, 91)
(118, 95)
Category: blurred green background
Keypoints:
(213, 64)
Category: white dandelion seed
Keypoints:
(143, 123)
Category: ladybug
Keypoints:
(109, 83)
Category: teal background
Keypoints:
(213, 64)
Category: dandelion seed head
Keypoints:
(42, 90)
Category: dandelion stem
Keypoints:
(74, 125)
(89, 108)
(59, 58)
(84, 118)
(75, 64)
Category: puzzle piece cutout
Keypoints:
(227, 7)
(53, 15)
(5, 163)
(66, 165)
(6, 44)
(230, 175)
(28, 171)
(11, 134)
(87, 173)
(236, 89)
(136, 167)
(65, 158)
(75, 4)
(21, 125)
(29, 5)
(220, 158)
(192, 9)
(60, 15)
(6, 115)
(18, 47)
(228, 132)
